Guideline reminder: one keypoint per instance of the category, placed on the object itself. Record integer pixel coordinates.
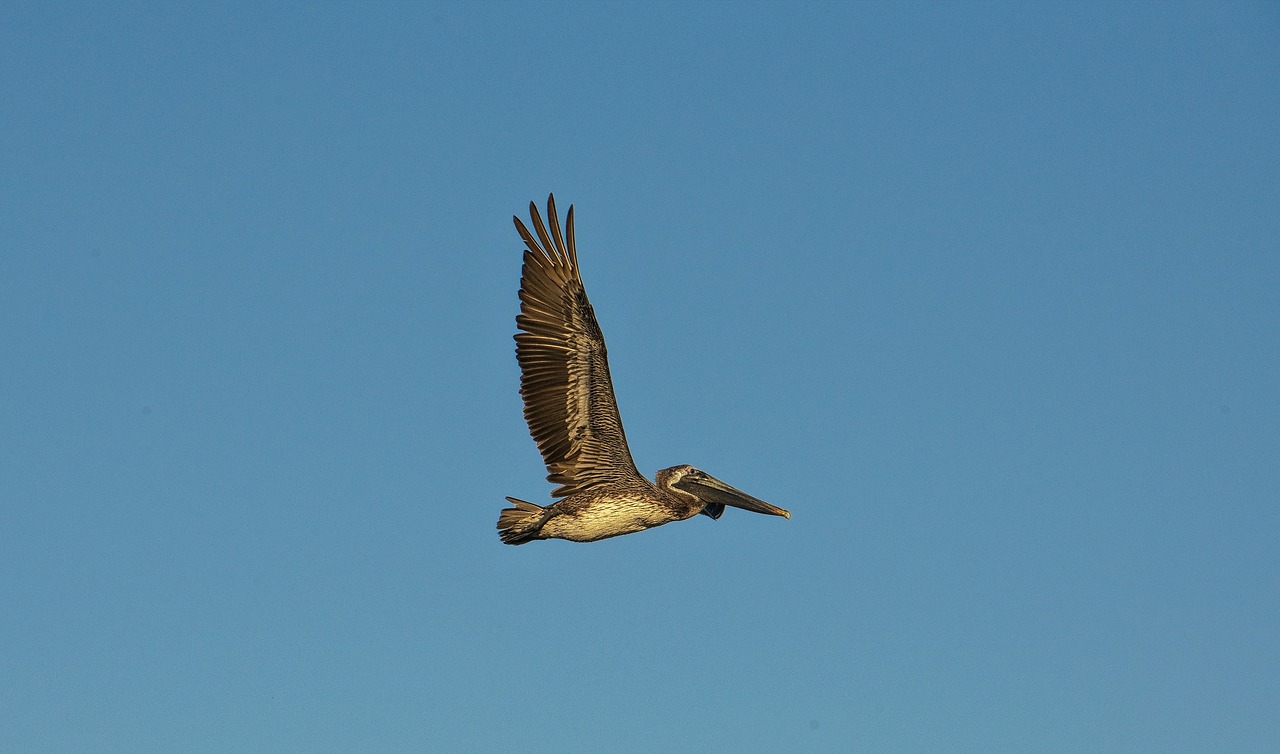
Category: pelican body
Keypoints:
(573, 416)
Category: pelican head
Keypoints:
(688, 482)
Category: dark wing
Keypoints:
(564, 370)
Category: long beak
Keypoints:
(712, 490)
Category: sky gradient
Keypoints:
(985, 294)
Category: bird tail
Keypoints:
(521, 524)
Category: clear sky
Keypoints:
(985, 294)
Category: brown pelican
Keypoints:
(573, 416)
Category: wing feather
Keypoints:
(564, 368)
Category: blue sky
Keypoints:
(985, 294)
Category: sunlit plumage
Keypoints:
(573, 416)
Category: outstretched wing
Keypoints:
(564, 370)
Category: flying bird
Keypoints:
(573, 415)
